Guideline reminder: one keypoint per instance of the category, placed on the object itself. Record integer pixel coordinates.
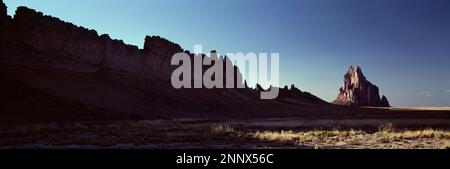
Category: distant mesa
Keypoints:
(358, 91)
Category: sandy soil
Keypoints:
(249, 134)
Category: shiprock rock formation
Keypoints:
(54, 68)
(358, 91)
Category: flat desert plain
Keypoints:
(289, 133)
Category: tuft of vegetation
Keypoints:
(221, 128)
(189, 133)
(446, 145)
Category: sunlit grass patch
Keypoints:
(228, 134)
(387, 136)
(276, 136)
(446, 145)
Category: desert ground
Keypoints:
(48, 121)
(268, 133)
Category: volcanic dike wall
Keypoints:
(33, 38)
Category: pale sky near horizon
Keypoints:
(403, 46)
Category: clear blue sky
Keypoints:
(403, 46)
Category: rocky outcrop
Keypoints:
(38, 39)
(45, 40)
(358, 91)
(75, 64)
(293, 93)
(4, 26)
(3, 10)
(161, 46)
(3, 17)
(384, 102)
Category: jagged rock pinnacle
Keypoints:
(358, 91)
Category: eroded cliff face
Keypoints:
(4, 27)
(76, 65)
(3, 10)
(39, 39)
(358, 91)
(35, 39)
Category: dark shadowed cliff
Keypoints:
(71, 71)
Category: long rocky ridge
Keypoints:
(32, 39)
(63, 45)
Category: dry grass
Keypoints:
(446, 145)
(412, 108)
(423, 108)
(386, 137)
(331, 123)
(189, 133)
(221, 128)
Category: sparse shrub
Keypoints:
(354, 142)
(317, 147)
(386, 128)
(394, 146)
(447, 145)
(277, 136)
